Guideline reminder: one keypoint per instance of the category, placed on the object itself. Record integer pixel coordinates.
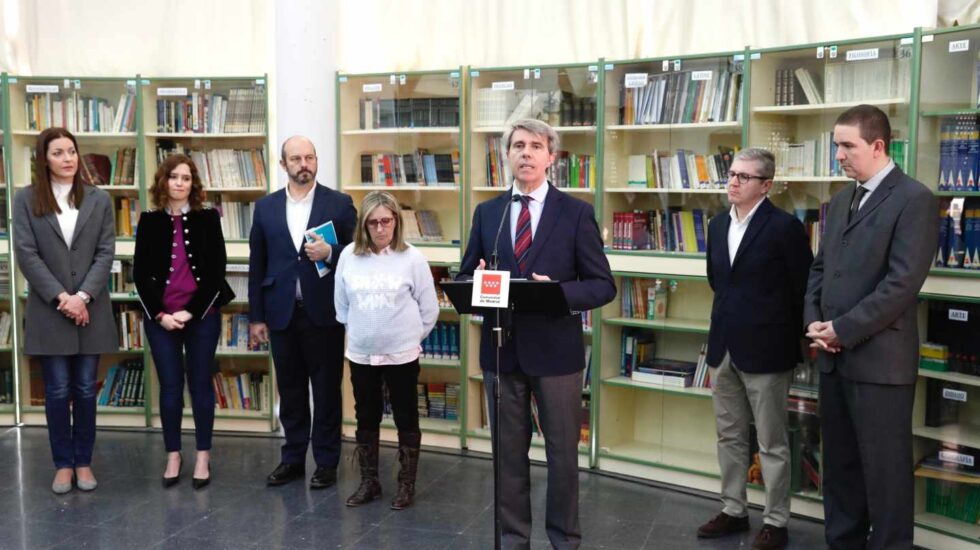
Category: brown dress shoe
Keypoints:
(722, 525)
(771, 538)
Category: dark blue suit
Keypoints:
(757, 312)
(307, 341)
(544, 356)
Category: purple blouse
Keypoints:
(181, 285)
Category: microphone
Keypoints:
(493, 257)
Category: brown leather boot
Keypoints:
(366, 454)
(408, 456)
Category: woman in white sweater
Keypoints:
(386, 297)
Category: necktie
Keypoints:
(859, 192)
(522, 237)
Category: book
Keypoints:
(327, 232)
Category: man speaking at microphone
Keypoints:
(535, 231)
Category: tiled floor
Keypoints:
(453, 510)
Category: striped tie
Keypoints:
(522, 237)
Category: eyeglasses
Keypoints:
(383, 222)
(744, 178)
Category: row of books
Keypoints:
(121, 277)
(440, 274)
(238, 281)
(235, 335)
(6, 386)
(670, 230)
(681, 169)
(243, 110)
(222, 168)
(951, 343)
(438, 400)
(887, 76)
(681, 97)
(6, 323)
(80, 113)
(122, 386)
(504, 105)
(535, 420)
(4, 275)
(129, 326)
(959, 153)
(416, 112)
(576, 111)
(809, 158)
(118, 169)
(643, 298)
(959, 501)
(573, 170)
(959, 233)
(243, 392)
(127, 216)
(442, 342)
(236, 217)
(796, 87)
(421, 225)
(418, 168)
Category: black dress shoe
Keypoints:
(323, 477)
(284, 473)
(199, 483)
(171, 481)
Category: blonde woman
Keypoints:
(386, 297)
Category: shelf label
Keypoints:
(959, 46)
(954, 395)
(504, 85)
(609, 66)
(537, 74)
(341, 79)
(237, 268)
(67, 85)
(145, 82)
(906, 40)
(197, 83)
(665, 66)
(677, 64)
(926, 38)
(593, 68)
(860, 55)
(12, 80)
(819, 52)
(207, 83)
(402, 80)
(78, 84)
(635, 80)
(371, 88)
(959, 315)
(42, 88)
(454, 74)
(116, 266)
(527, 74)
(171, 91)
(956, 458)
(260, 81)
(392, 79)
(755, 56)
(474, 74)
(701, 75)
(131, 83)
(738, 57)
(833, 52)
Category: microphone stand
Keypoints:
(498, 341)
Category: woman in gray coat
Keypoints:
(64, 238)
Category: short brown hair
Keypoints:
(362, 237)
(872, 123)
(44, 201)
(159, 191)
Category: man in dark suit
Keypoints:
(547, 235)
(860, 311)
(758, 261)
(291, 305)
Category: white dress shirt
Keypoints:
(874, 182)
(737, 227)
(69, 214)
(298, 218)
(534, 207)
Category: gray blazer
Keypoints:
(866, 279)
(50, 268)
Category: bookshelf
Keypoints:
(945, 161)
(401, 133)
(9, 397)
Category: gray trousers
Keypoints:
(559, 400)
(738, 397)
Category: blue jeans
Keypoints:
(175, 352)
(69, 405)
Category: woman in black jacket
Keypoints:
(179, 270)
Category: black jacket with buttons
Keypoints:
(205, 247)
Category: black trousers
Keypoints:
(401, 380)
(307, 356)
(867, 457)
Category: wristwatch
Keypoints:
(84, 296)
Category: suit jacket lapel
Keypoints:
(548, 221)
(53, 220)
(318, 208)
(880, 193)
(758, 221)
(84, 213)
(722, 238)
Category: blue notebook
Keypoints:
(330, 236)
